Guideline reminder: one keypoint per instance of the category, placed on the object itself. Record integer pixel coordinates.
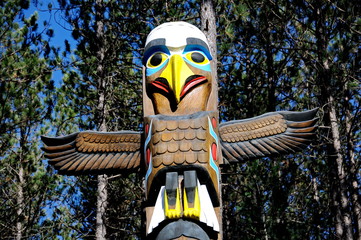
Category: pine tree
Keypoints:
(26, 103)
(107, 93)
(308, 41)
(333, 28)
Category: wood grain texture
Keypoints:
(269, 134)
(95, 152)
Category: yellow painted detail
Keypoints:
(192, 212)
(156, 59)
(190, 56)
(172, 213)
(176, 74)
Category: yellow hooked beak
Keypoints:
(176, 74)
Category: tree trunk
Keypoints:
(271, 80)
(20, 203)
(20, 194)
(102, 196)
(356, 207)
(101, 207)
(209, 28)
(344, 224)
(340, 191)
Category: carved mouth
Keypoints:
(191, 83)
(162, 85)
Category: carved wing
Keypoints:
(95, 152)
(269, 134)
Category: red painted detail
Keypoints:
(214, 123)
(191, 84)
(148, 156)
(214, 151)
(161, 86)
(146, 129)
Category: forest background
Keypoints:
(272, 55)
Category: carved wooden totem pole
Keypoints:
(183, 144)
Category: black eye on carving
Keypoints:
(156, 59)
(197, 57)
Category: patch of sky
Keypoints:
(50, 17)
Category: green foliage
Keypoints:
(290, 55)
(25, 100)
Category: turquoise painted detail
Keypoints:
(203, 51)
(204, 67)
(151, 71)
(211, 160)
(149, 171)
(147, 140)
(194, 47)
(152, 50)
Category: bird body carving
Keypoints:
(183, 144)
(180, 143)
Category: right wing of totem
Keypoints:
(270, 134)
(94, 152)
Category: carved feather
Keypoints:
(269, 134)
(95, 152)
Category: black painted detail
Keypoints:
(190, 184)
(171, 185)
(182, 228)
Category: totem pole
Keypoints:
(183, 145)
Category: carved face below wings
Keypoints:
(178, 71)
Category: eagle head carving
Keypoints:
(177, 69)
